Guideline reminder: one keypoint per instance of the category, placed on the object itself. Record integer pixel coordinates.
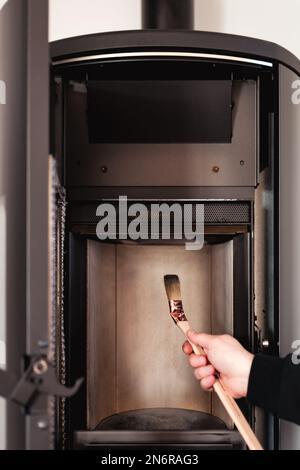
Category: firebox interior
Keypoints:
(139, 389)
(134, 358)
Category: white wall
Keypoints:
(272, 20)
(77, 17)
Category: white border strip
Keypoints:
(162, 54)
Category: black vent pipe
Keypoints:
(168, 14)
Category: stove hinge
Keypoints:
(39, 378)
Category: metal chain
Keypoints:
(57, 344)
(61, 353)
(53, 288)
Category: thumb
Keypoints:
(201, 339)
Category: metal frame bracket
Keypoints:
(39, 378)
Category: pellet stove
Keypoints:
(164, 115)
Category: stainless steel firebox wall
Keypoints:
(152, 144)
(164, 117)
(123, 338)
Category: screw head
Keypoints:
(242, 162)
(104, 169)
(216, 169)
(40, 367)
(265, 343)
(42, 425)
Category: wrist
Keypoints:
(247, 369)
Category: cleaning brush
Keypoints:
(172, 285)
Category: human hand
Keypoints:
(225, 356)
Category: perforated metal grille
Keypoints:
(215, 213)
(228, 213)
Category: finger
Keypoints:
(187, 348)
(208, 382)
(197, 361)
(201, 339)
(204, 372)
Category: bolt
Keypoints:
(40, 367)
(104, 169)
(265, 343)
(216, 169)
(42, 425)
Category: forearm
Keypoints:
(274, 384)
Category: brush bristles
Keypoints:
(172, 285)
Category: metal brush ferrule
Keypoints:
(176, 310)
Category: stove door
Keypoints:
(24, 212)
(289, 252)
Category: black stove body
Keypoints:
(164, 115)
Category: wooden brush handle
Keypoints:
(228, 402)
